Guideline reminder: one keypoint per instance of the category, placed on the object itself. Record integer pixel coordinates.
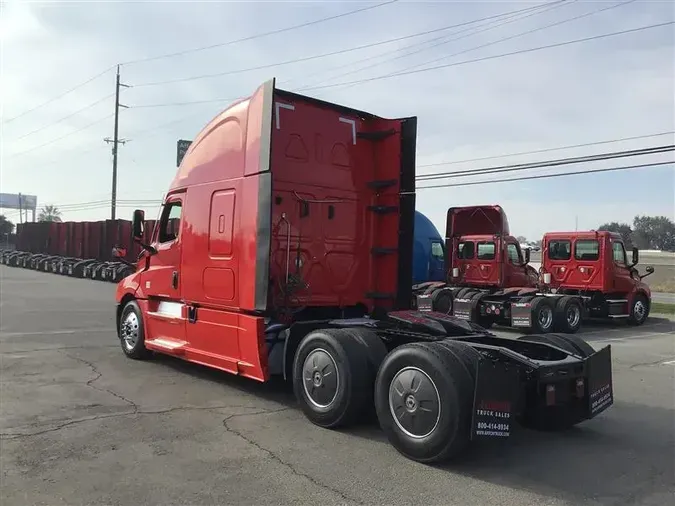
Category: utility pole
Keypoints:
(115, 141)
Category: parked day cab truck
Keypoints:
(285, 247)
(489, 279)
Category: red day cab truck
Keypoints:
(284, 248)
(583, 275)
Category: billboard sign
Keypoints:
(182, 147)
(18, 201)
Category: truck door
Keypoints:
(515, 273)
(162, 281)
(437, 262)
(620, 273)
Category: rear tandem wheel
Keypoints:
(423, 398)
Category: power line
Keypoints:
(539, 9)
(447, 65)
(555, 4)
(61, 95)
(497, 56)
(548, 163)
(546, 150)
(545, 176)
(66, 117)
(521, 34)
(260, 35)
(35, 148)
(338, 52)
(187, 51)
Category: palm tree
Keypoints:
(49, 213)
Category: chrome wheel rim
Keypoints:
(320, 378)
(545, 317)
(640, 310)
(414, 402)
(573, 316)
(130, 330)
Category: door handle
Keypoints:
(174, 279)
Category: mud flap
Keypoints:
(462, 309)
(521, 314)
(424, 302)
(495, 400)
(600, 390)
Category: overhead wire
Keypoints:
(545, 150)
(260, 35)
(61, 95)
(340, 51)
(546, 176)
(548, 163)
(521, 34)
(85, 127)
(512, 17)
(187, 51)
(438, 67)
(86, 107)
(498, 56)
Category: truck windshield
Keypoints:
(437, 250)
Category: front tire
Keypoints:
(639, 310)
(423, 399)
(331, 378)
(132, 332)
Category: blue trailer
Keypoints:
(428, 252)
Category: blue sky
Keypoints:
(606, 89)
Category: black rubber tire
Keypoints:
(563, 305)
(468, 354)
(138, 351)
(538, 305)
(582, 347)
(441, 300)
(552, 339)
(453, 387)
(354, 385)
(633, 318)
(461, 294)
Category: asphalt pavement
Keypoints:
(82, 424)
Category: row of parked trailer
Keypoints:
(67, 266)
(76, 249)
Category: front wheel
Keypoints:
(639, 310)
(132, 332)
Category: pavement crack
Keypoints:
(99, 374)
(278, 459)
(68, 423)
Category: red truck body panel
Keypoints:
(276, 211)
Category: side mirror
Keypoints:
(649, 269)
(527, 256)
(119, 252)
(138, 223)
(636, 257)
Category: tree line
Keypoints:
(646, 232)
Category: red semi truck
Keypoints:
(583, 274)
(285, 247)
